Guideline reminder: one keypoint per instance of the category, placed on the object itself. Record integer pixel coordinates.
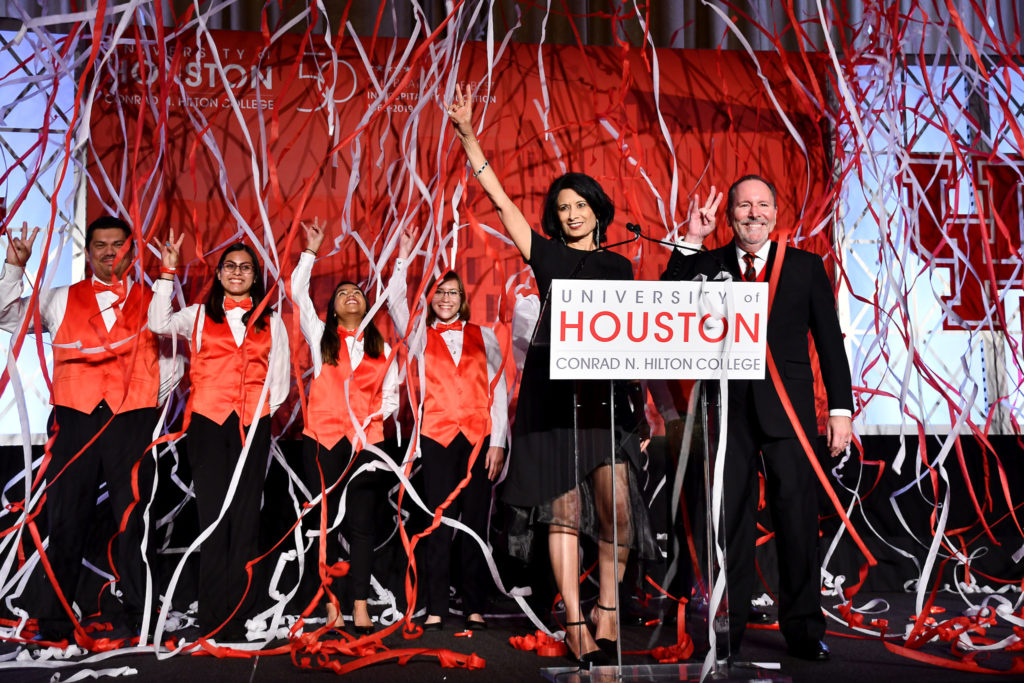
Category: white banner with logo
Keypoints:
(642, 329)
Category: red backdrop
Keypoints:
(243, 141)
(175, 159)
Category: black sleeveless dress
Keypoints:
(549, 436)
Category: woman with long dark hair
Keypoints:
(240, 375)
(560, 474)
(354, 389)
(462, 430)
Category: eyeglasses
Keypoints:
(232, 267)
(442, 293)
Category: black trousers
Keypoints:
(213, 452)
(118, 456)
(443, 469)
(327, 467)
(792, 496)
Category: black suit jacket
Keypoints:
(803, 304)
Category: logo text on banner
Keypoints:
(622, 329)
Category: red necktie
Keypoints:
(117, 287)
(342, 332)
(749, 274)
(244, 304)
(449, 327)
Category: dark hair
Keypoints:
(103, 223)
(437, 282)
(215, 299)
(730, 202)
(586, 187)
(330, 342)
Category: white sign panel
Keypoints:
(641, 329)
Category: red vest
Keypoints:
(457, 397)
(227, 378)
(327, 412)
(126, 377)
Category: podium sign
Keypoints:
(642, 329)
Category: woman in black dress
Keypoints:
(549, 431)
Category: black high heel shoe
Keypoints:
(589, 659)
(362, 630)
(433, 625)
(608, 646)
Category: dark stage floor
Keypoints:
(854, 660)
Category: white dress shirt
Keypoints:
(164, 321)
(760, 258)
(399, 310)
(313, 331)
(53, 305)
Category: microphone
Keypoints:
(723, 274)
(635, 229)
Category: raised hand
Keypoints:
(314, 234)
(170, 251)
(702, 218)
(406, 242)
(460, 112)
(19, 249)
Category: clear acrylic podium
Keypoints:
(719, 667)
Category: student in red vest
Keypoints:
(354, 389)
(108, 379)
(236, 351)
(465, 413)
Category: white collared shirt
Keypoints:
(399, 310)
(313, 331)
(164, 321)
(760, 257)
(52, 302)
(53, 305)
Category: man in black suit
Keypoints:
(757, 421)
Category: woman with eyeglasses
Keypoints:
(462, 429)
(353, 390)
(560, 472)
(240, 375)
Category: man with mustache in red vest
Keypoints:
(108, 379)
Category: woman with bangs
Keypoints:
(354, 389)
(462, 431)
(560, 474)
(234, 354)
